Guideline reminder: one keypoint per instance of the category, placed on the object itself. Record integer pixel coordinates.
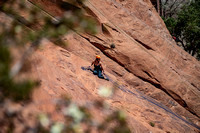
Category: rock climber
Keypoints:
(176, 38)
(98, 69)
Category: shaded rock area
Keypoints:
(144, 58)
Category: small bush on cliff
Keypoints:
(152, 124)
(112, 45)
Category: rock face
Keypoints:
(145, 58)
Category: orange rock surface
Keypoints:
(145, 59)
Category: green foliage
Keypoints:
(46, 26)
(118, 117)
(152, 124)
(187, 28)
(9, 87)
(78, 119)
(171, 24)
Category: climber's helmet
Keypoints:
(98, 57)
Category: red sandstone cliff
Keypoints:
(145, 58)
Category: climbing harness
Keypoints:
(89, 69)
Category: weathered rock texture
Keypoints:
(145, 58)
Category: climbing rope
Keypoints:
(144, 97)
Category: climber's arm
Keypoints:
(92, 63)
(102, 68)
